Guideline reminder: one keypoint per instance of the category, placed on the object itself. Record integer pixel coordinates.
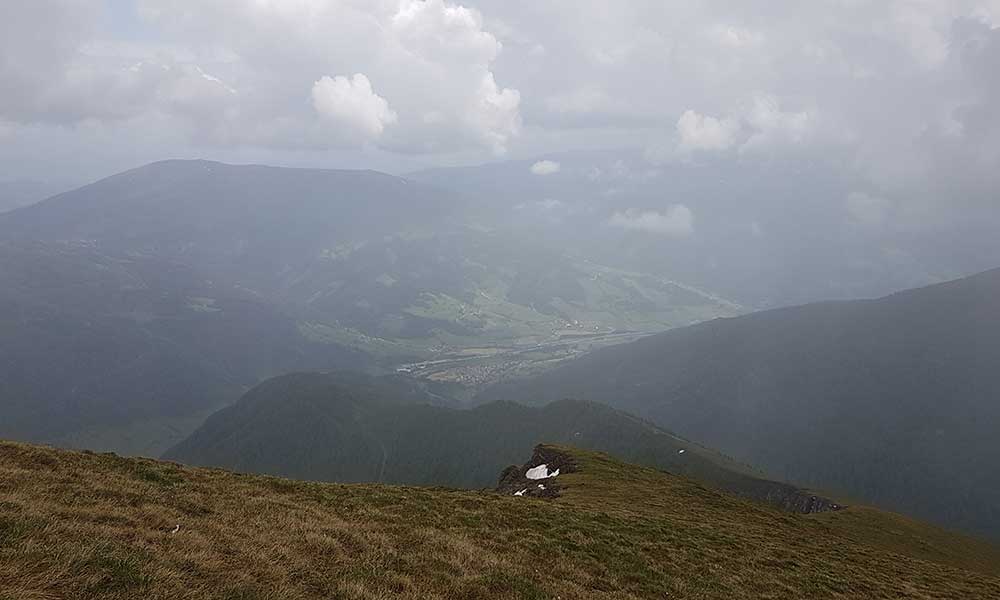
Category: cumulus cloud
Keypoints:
(352, 105)
(445, 33)
(773, 126)
(545, 167)
(759, 125)
(675, 221)
(450, 54)
(236, 72)
(702, 132)
(493, 114)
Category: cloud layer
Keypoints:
(264, 73)
(675, 221)
(901, 98)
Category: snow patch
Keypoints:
(681, 451)
(521, 493)
(540, 472)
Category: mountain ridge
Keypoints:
(347, 427)
(890, 401)
(185, 262)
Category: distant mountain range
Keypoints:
(348, 427)
(894, 401)
(135, 306)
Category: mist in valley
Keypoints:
(754, 245)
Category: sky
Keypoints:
(903, 95)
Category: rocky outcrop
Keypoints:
(539, 477)
(781, 495)
(800, 501)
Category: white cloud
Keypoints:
(451, 56)
(734, 37)
(676, 221)
(760, 125)
(772, 126)
(493, 114)
(352, 104)
(443, 32)
(545, 167)
(234, 73)
(902, 95)
(701, 132)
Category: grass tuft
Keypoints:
(497, 584)
(110, 569)
(15, 529)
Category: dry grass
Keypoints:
(75, 525)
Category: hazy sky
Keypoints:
(903, 93)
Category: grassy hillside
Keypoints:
(75, 525)
(348, 427)
(891, 401)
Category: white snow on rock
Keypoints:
(541, 487)
(540, 472)
(521, 493)
(681, 451)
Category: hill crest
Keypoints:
(117, 528)
(888, 401)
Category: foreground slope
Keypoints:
(76, 525)
(347, 427)
(893, 401)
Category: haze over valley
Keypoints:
(480, 299)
